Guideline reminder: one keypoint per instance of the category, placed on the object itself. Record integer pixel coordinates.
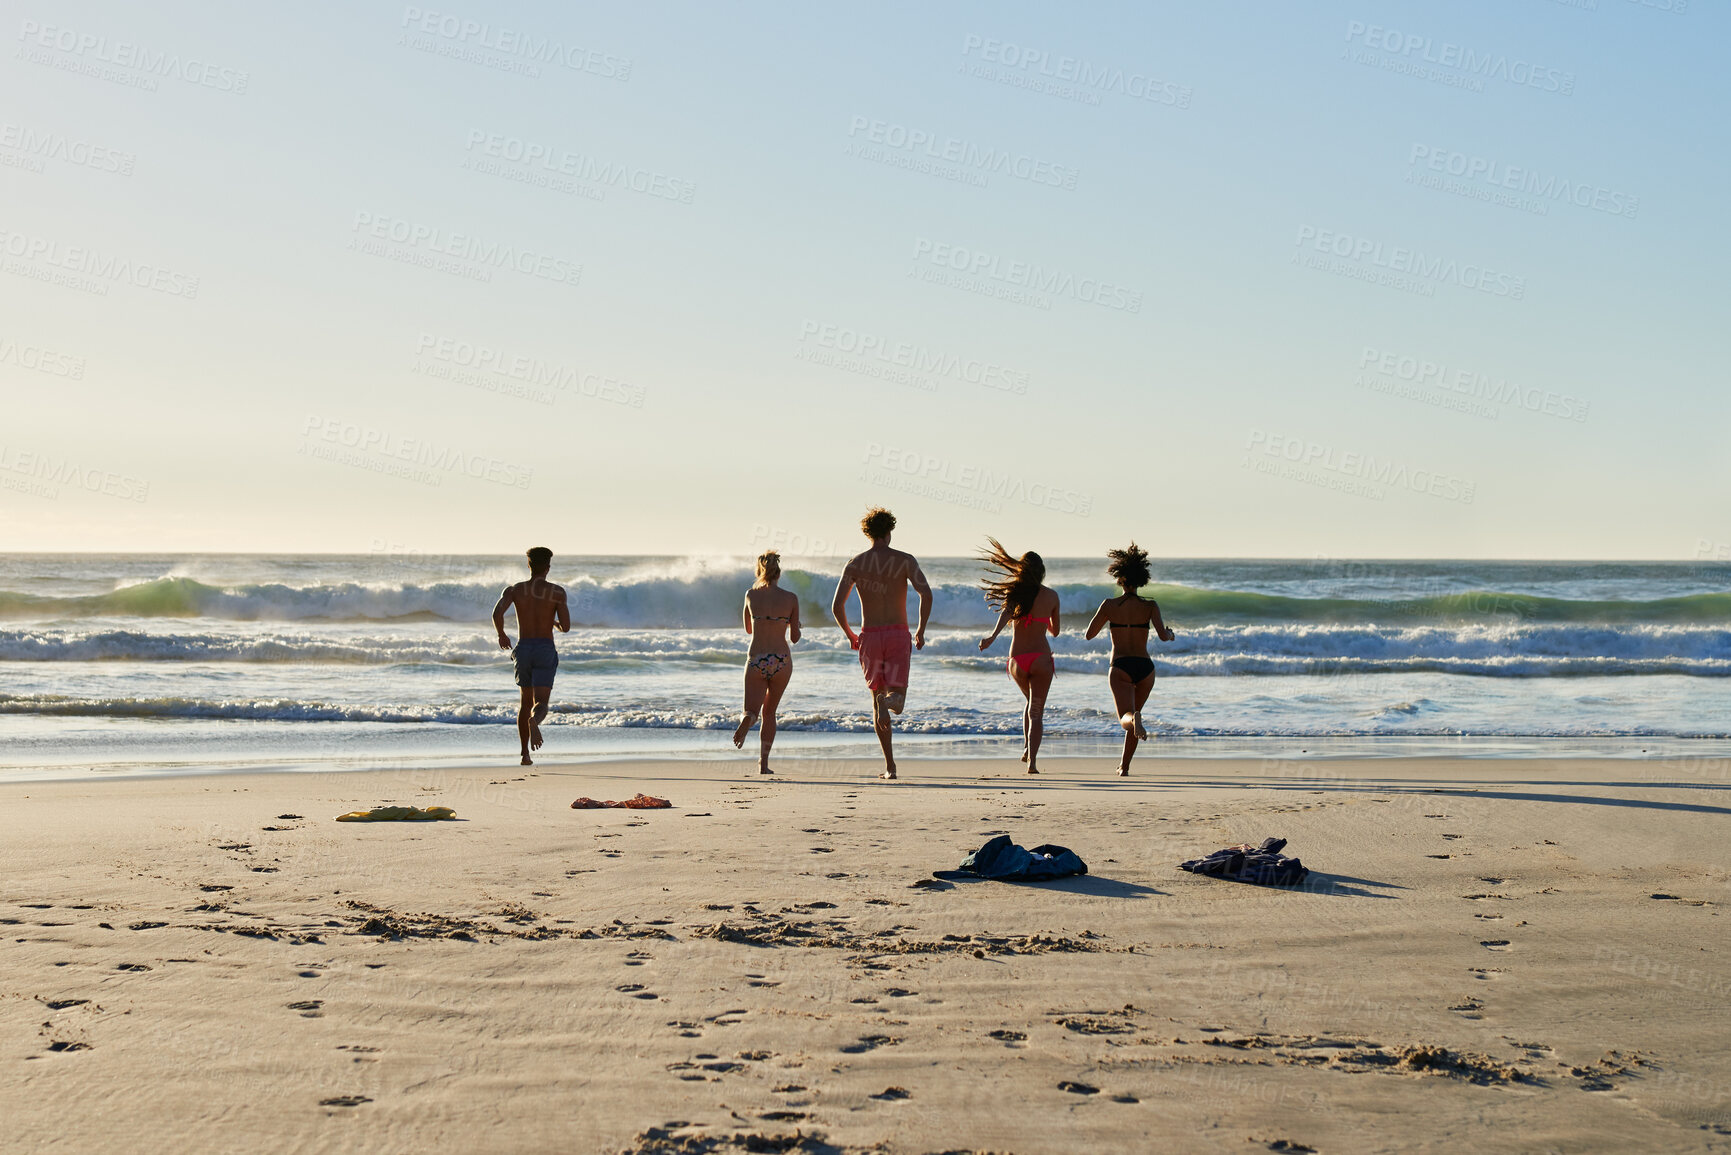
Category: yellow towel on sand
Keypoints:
(398, 814)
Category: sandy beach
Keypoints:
(1490, 955)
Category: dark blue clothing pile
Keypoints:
(1263, 865)
(1004, 861)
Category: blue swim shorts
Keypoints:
(535, 661)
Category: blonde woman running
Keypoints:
(772, 619)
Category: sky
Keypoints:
(1236, 279)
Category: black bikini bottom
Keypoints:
(1135, 668)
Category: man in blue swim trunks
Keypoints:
(540, 606)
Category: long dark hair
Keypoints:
(1019, 582)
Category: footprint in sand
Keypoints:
(629, 987)
(131, 967)
(309, 1008)
(345, 1101)
(783, 1117)
(1007, 1036)
(869, 1043)
(1494, 943)
(1078, 1088)
(894, 1094)
(787, 1089)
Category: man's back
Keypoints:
(881, 576)
(538, 603)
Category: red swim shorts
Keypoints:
(885, 654)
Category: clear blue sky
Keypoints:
(1235, 279)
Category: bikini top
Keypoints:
(767, 618)
(1042, 621)
(1131, 625)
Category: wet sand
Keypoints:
(1490, 955)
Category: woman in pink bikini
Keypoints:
(1018, 596)
(772, 619)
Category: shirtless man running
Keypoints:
(881, 575)
(540, 606)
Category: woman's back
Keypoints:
(1131, 618)
(772, 609)
(1032, 627)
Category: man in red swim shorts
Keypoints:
(882, 575)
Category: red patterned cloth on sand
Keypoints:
(640, 802)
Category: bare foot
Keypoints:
(1123, 771)
(526, 761)
(1128, 721)
(890, 774)
(534, 736)
(1141, 730)
(744, 729)
(895, 700)
(765, 770)
(1024, 753)
(1031, 770)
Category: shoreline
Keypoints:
(1708, 757)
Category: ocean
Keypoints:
(186, 663)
